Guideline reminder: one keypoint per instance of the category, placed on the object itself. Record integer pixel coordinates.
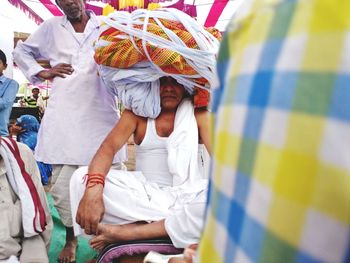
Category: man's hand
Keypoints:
(60, 70)
(91, 209)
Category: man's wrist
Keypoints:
(94, 179)
(41, 74)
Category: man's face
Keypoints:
(171, 93)
(35, 93)
(73, 9)
(2, 67)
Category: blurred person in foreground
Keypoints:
(280, 184)
(280, 189)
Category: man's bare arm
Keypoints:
(114, 141)
(91, 207)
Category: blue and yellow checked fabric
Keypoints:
(280, 190)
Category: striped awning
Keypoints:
(216, 13)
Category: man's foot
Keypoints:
(107, 234)
(67, 254)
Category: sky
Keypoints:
(19, 21)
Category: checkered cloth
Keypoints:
(281, 174)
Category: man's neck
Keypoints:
(79, 24)
(167, 115)
(165, 123)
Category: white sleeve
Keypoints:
(26, 53)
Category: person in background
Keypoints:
(32, 100)
(280, 189)
(26, 131)
(8, 91)
(81, 111)
(36, 100)
(26, 223)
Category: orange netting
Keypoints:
(121, 53)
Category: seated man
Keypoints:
(167, 191)
(25, 218)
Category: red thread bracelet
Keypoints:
(94, 179)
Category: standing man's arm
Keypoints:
(9, 95)
(26, 53)
(36, 47)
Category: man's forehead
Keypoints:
(168, 79)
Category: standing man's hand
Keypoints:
(91, 209)
(60, 70)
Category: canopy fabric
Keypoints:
(211, 13)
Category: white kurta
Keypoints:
(80, 111)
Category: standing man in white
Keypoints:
(81, 111)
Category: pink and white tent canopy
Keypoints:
(215, 13)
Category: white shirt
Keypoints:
(81, 111)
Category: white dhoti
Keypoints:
(129, 198)
(170, 186)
